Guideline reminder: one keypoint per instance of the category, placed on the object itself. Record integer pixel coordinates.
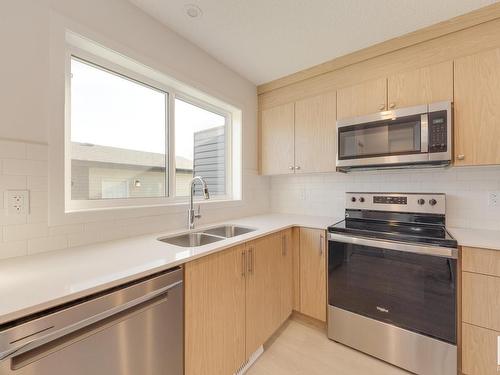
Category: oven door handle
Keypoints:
(444, 252)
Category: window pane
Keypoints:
(200, 148)
(118, 141)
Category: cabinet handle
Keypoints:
(297, 167)
(460, 157)
(321, 242)
(283, 245)
(291, 167)
(250, 261)
(381, 107)
(498, 352)
(243, 263)
(392, 105)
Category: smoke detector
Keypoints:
(193, 11)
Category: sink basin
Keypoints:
(228, 231)
(191, 239)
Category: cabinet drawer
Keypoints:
(479, 351)
(481, 300)
(481, 261)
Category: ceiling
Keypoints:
(264, 40)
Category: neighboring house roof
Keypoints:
(115, 155)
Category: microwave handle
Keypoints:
(424, 133)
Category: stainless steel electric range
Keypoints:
(392, 269)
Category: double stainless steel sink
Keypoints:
(207, 236)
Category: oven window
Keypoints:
(382, 139)
(412, 291)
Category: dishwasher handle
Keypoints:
(16, 350)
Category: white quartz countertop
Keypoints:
(33, 283)
(483, 238)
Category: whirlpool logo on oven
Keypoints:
(386, 311)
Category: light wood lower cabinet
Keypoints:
(215, 313)
(234, 301)
(313, 273)
(481, 300)
(479, 350)
(480, 311)
(268, 289)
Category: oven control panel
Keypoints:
(397, 202)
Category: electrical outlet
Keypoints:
(17, 202)
(493, 198)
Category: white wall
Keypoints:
(25, 105)
(467, 192)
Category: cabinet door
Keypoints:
(215, 313)
(421, 86)
(315, 134)
(313, 273)
(263, 306)
(479, 350)
(477, 109)
(277, 140)
(362, 99)
(286, 275)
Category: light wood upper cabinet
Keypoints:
(313, 273)
(362, 99)
(264, 311)
(315, 134)
(421, 86)
(215, 313)
(277, 140)
(477, 109)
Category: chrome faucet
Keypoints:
(191, 213)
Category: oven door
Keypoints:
(411, 287)
(391, 137)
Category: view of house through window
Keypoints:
(119, 143)
(200, 148)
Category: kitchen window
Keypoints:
(135, 141)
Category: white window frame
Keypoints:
(171, 94)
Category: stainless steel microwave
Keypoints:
(408, 137)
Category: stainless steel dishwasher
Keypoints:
(134, 329)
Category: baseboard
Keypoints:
(253, 358)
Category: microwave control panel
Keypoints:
(438, 132)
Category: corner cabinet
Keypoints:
(299, 137)
(234, 301)
(268, 289)
(477, 109)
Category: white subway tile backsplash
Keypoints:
(38, 245)
(467, 192)
(13, 249)
(18, 167)
(12, 150)
(37, 183)
(24, 231)
(36, 151)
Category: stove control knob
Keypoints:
(433, 202)
(353, 199)
(362, 199)
(421, 202)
